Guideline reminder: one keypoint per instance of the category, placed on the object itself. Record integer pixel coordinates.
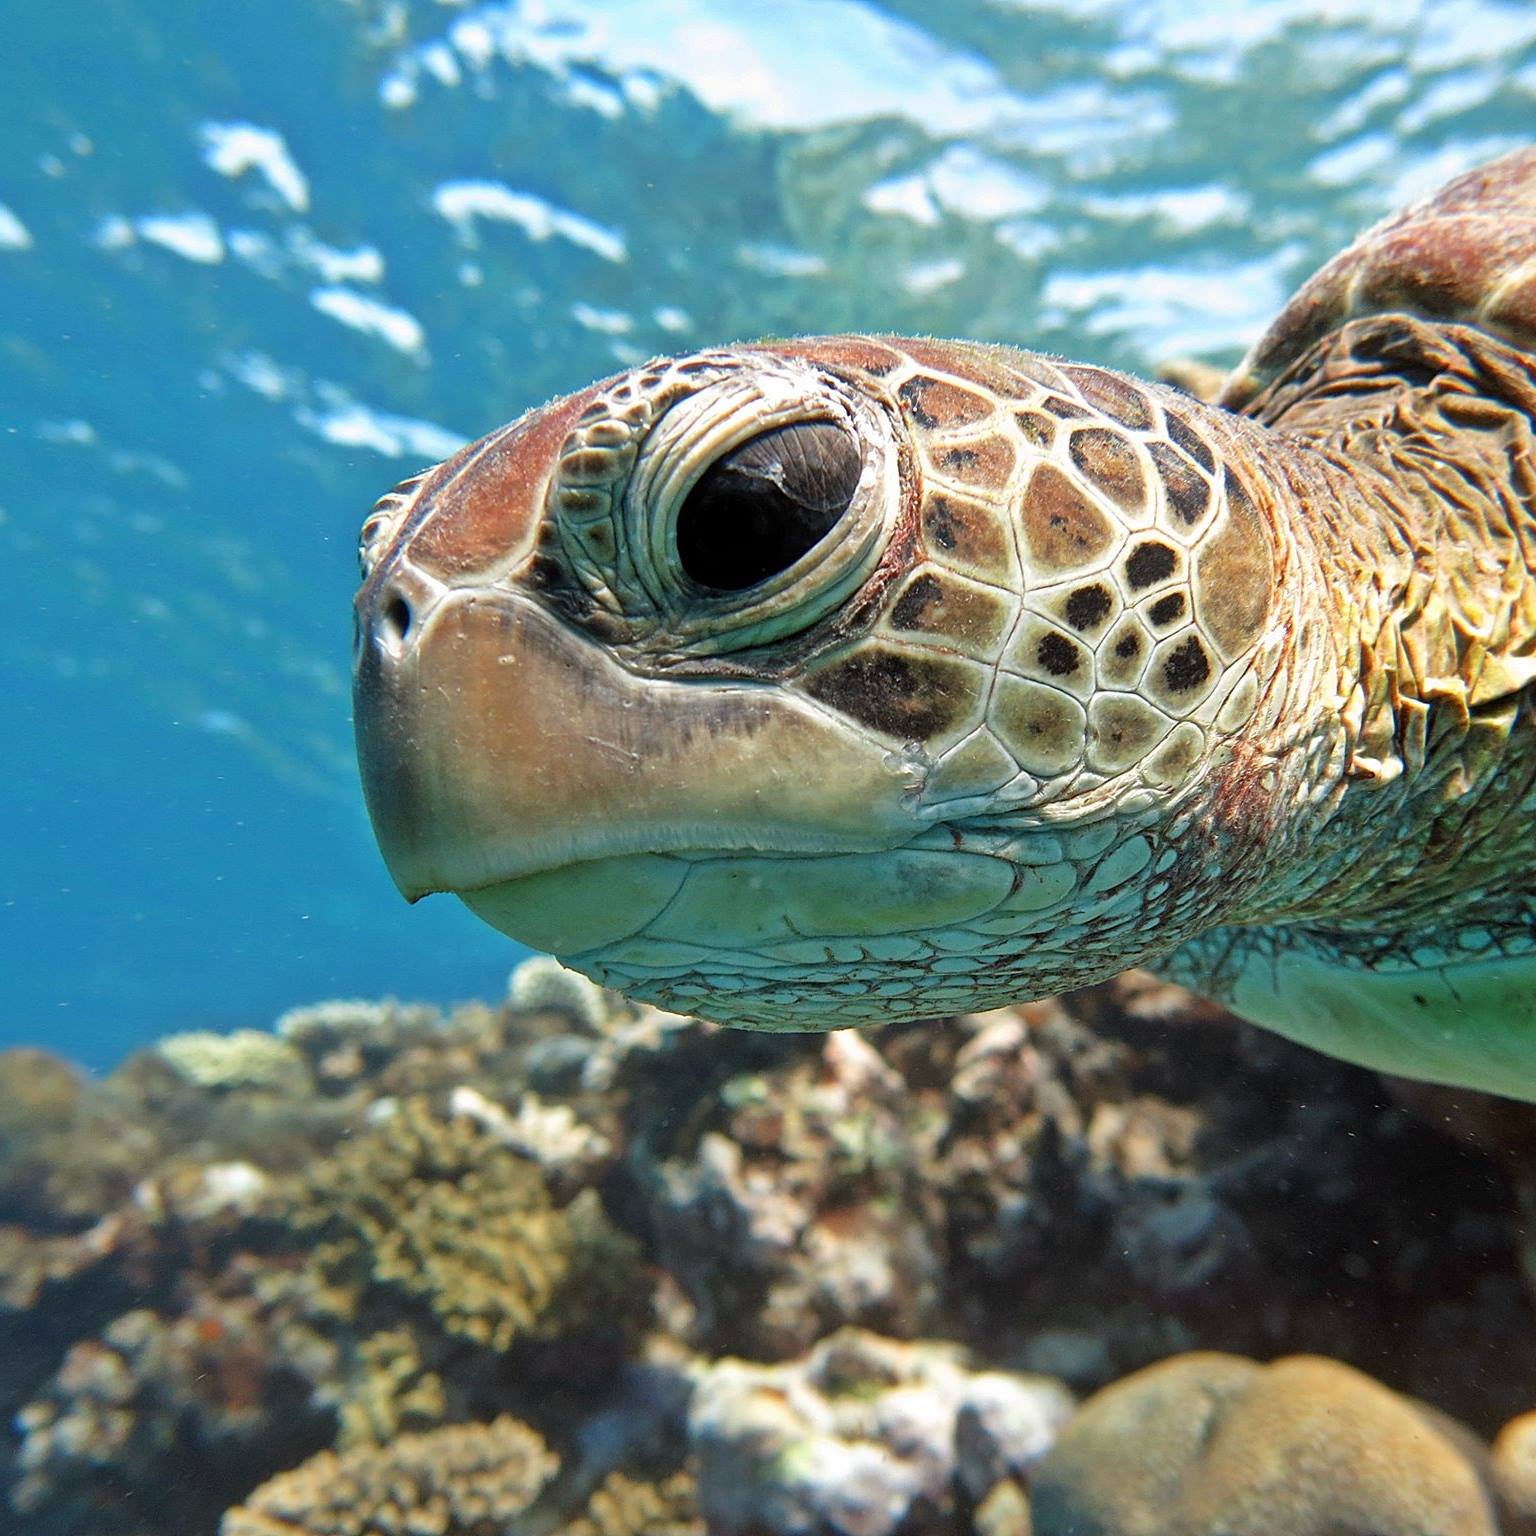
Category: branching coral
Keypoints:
(540, 984)
(442, 1213)
(462, 1480)
(625, 1507)
(247, 1058)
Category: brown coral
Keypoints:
(462, 1480)
(1211, 1443)
(396, 1391)
(625, 1507)
(444, 1213)
(69, 1151)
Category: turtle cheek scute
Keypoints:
(905, 696)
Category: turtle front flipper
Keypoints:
(1458, 1007)
(1407, 362)
(1465, 255)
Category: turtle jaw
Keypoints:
(498, 746)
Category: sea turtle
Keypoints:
(845, 679)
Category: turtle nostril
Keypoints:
(396, 619)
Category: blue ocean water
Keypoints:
(257, 264)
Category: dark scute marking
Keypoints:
(940, 521)
(971, 533)
(581, 502)
(1063, 527)
(1127, 647)
(1058, 655)
(1234, 574)
(924, 593)
(1126, 725)
(1149, 564)
(1068, 410)
(1191, 442)
(986, 462)
(1166, 609)
(1111, 464)
(939, 606)
(935, 403)
(588, 466)
(1088, 606)
(1040, 430)
(1186, 666)
(1113, 395)
(908, 697)
(1187, 490)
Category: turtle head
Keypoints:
(727, 679)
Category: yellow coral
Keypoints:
(624, 1507)
(446, 1214)
(463, 1480)
(397, 1391)
(247, 1058)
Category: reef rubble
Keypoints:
(562, 1266)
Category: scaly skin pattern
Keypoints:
(1085, 674)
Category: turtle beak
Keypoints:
(434, 644)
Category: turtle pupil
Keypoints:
(761, 506)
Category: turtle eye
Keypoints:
(758, 508)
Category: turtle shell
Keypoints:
(1465, 255)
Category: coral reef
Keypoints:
(1215, 1445)
(443, 1213)
(709, 1271)
(465, 1480)
(248, 1058)
(541, 984)
(864, 1434)
(812, 1178)
(624, 1507)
